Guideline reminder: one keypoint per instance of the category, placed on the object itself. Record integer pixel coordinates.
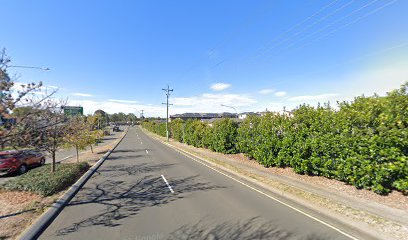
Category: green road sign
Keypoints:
(70, 110)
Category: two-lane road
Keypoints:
(145, 190)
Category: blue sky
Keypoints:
(252, 55)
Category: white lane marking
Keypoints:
(65, 158)
(265, 194)
(168, 185)
(147, 151)
(141, 142)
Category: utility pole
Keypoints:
(167, 91)
(141, 114)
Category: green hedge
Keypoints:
(363, 143)
(41, 181)
(156, 127)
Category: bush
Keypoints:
(42, 181)
(177, 130)
(363, 143)
(223, 136)
(195, 133)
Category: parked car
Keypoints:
(19, 161)
(116, 128)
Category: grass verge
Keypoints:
(42, 181)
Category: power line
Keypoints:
(167, 91)
(334, 22)
(221, 43)
(353, 22)
(271, 46)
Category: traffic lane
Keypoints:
(122, 186)
(230, 200)
(125, 185)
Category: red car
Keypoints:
(19, 161)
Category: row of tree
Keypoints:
(363, 143)
(31, 118)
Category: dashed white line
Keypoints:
(168, 185)
(141, 142)
(65, 158)
(147, 151)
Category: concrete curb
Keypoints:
(42, 222)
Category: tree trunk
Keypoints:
(53, 162)
(77, 154)
(91, 148)
(54, 149)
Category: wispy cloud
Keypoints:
(280, 94)
(82, 94)
(90, 106)
(206, 102)
(214, 100)
(122, 101)
(220, 86)
(313, 97)
(266, 91)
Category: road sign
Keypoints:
(71, 110)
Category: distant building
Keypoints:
(203, 116)
(246, 114)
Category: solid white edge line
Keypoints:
(265, 194)
(168, 185)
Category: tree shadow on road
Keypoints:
(121, 199)
(253, 228)
(124, 169)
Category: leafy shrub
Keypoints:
(42, 181)
(363, 143)
(195, 133)
(177, 129)
(223, 136)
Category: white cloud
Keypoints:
(90, 106)
(313, 97)
(378, 79)
(280, 94)
(82, 94)
(122, 101)
(220, 86)
(266, 91)
(214, 100)
(44, 90)
(208, 102)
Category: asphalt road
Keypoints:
(145, 190)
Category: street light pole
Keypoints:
(230, 107)
(17, 66)
(167, 91)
